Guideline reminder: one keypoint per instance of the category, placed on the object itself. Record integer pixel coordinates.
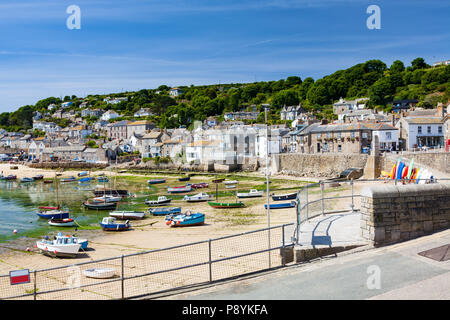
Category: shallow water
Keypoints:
(19, 203)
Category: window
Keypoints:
(339, 148)
(329, 134)
(318, 136)
(389, 135)
(428, 129)
(364, 135)
(440, 129)
(339, 134)
(419, 129)
(353, 134)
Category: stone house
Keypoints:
(117, 130)
(291, 112)
(139, 127)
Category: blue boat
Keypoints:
(87, 179)
(185, 219)
(102, 179)
(164, 211)
(53, 214)
(69, 179)
(284, 205)
(156, 181)
(110, 224)
(83, 174)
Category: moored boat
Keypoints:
(252, 194)
(100, 191)
(199, 185)
(108, 198)
(225, 205)
(162, 200)
(82, 173)
(184, 179)
(110, 224)
(185, 219)
(102, 179)
(200, 197)
(164, 211)
(181, 189)
(85, 179)
(230, 182)
(156, 181)
(127, 215)
(24, 180)
(284, 205)
(65, 222)
(53, 214)
(38, 177)
(99, 273)
(100, 205)
(281, 197)
(69, 179)
(60, 247)
(10, 177)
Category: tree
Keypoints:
(287, 97)
(293, 80)
(419, 63)
(397, 67)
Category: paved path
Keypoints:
(403, 274)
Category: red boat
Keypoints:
(199, 185)
(49, 208)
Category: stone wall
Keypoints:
(327, 165)
(391, 213)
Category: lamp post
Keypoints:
(266, 107)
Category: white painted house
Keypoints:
(417, 132)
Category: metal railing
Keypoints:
(336, 196)
(159, 271)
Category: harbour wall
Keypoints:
(391, 214)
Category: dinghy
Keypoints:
(252, 194)
(69, 179)
(108, 198)
(185, 219)
(164, 211)
(181, 189)
(24, 180)
(110, 224)
(226, 205)
(99, 273)
(83, 174)
(65, 222)
(200, 197)
(184, 179)
(230, 182)
(127, 215)
(281, 205)
(199, 185)
(281, 197)
(156, 181)
(162, 200)
(53, 214)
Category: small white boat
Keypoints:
(99, 273)
(230, 182)
(127, 215)
(162, 200)
(230, 186)
(199, 197)
(65, 222)
(252, 194)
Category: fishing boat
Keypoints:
(281, 205)
(164, 211)
(108, 198)
(53, 214)
(110, 224)
(127, 215)
(68, 239)
(225, 205)
(69, 179)
(82, 173)
(185, 219)
(100, 205)
(181, 189)
(199, 197)
(10, 177)
(199, 185)
(99, 273)
(156, 181)
(59, 247)
(281, 197)
(162, 200)
(65, 222)
(252, 194)
(24, 180)
(230, 182)
(38, 177)
(184, 179)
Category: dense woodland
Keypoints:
(372, 79)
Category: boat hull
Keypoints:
(290, 196)
(156, 203)
(183, 220)
(164, 211)
(127, 215)
(223, 205)
(156, 181)
(53, 215)
(115, 226)
(281, 205)
(101, 206)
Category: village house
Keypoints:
(345, 138)
(47, 127)
(66, 104)
(108, 115)
(115, 100)
(419, 132)
(92, 113)
(36, 149)
(139, 127)
(143, 112)
(65, 153)
(117, 130)
(356, 115)
(52, 106)
(403, 105)
(175, 92)
(292, 112)
(344, 106)
(241, 115)
(149, 144)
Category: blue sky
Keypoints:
(136, 44)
